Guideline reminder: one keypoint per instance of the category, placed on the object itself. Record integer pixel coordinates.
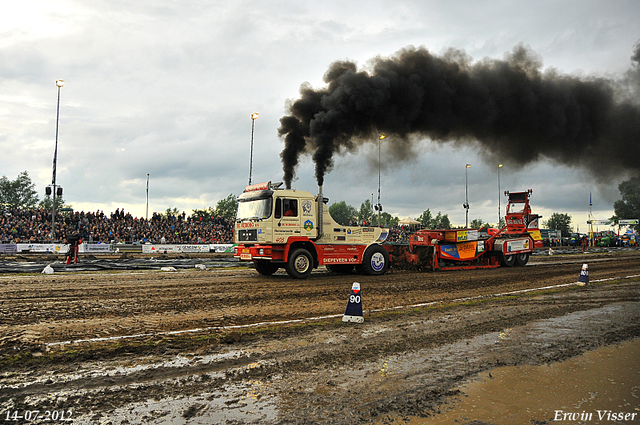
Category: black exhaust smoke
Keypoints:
(510, 107)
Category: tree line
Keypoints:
(21, 194)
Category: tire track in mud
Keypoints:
(404, 365)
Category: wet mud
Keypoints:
(230, 346)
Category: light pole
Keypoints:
(146, 215)
(466, 196)
(59, 84)
(372, 205)
(379, 206)
(253, 123)
(499, 210)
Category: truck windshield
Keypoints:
(255, 206)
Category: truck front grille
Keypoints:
(248, 235)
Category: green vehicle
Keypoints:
(606, 238)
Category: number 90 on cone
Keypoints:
(353, 313)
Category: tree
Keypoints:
(171, 212)
(559, 221)
(46, 202)
(477, 223)
(629, 206)
(441, 221)
(19, 193)
(343, 213)
(205, 214)
(426, 219)
(365, 214)
(228, 207)
(388, 220)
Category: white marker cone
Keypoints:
(584, 275)
(353, 313)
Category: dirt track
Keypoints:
(178, 339)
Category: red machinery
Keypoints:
(459, 249)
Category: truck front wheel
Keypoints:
(300, 264)
(375, 261)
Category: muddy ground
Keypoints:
(231, 346)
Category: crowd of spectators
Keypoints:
(34, 226)
(400, 234)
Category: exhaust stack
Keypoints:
(320, 211)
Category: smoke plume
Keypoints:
(508, 107)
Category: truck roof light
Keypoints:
(258, 186)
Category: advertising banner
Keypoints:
(173, 249)
(516, 245)
(96, 248)
(43, 248)
(460, 251)
(222, 247)
(8, 248)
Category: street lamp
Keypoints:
(59, 84)
(379, 206)
(499, 210)
(146, 216)
(466, 196)
(372, 205)
(253, 123)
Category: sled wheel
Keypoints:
(509, 260)
(522, 258)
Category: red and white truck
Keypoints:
(292, 229)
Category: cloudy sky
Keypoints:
(167, 88)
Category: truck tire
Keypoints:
(508, 260)
(300, 263)
(265, 268)
(522, 259)
(375, 261)
(340, 268)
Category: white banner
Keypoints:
(172, 249)
(628, 222)
(43, 247)
(103, 248)
(600, 222)
(8, 248)
(96, 248)
(221, 247)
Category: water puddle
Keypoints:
(598, 387)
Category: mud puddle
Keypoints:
(234, 404)
(598, 387)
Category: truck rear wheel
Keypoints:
(522, 259)
(265, 268)
(300, 264)
(375, 261)
(508, 260)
